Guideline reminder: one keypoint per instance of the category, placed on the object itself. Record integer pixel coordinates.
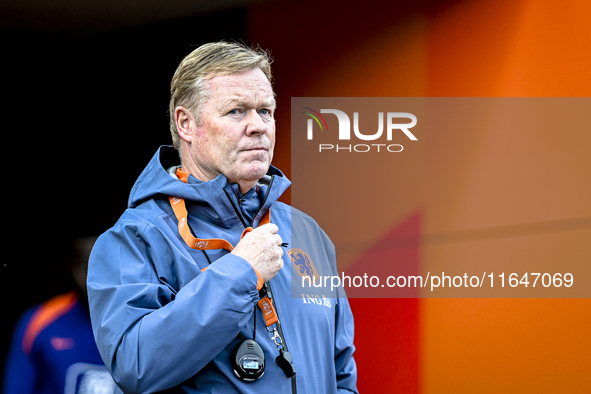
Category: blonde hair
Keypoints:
(188, 87)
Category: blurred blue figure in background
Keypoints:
(53, 348)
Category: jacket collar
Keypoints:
(215, 199)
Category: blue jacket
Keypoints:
(161, 324)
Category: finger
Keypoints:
(278, 239)
(270, 227)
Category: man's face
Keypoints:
(235, 135)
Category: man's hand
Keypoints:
(261, 248)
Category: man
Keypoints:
(179, 286)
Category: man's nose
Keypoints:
(255, 123)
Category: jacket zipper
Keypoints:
(239, 203)
(266, 196)
(268, 284)
(235, 209)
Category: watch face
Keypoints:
(250, 364)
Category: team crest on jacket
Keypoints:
(303, 264)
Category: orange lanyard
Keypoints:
(180, 210)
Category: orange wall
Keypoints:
(513, 48)
(468, 48)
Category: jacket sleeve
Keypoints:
(150, 336)
(345, 366)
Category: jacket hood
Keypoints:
(156, 182)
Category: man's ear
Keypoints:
(185, 123)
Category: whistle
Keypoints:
(285, 362)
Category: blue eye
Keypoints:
(233, 112)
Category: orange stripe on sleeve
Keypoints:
(260, 282)
(47, 313)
